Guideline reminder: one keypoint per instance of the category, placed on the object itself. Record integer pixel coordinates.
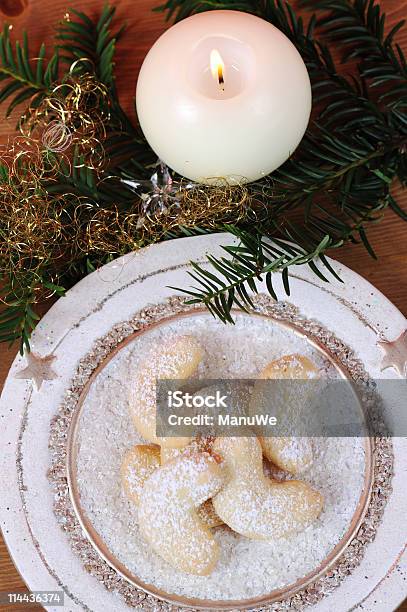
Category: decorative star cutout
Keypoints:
(38, 369)
(395, 354)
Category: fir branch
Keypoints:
(180, 9)
(230, 280)
(382, 65)
(359, 27)
(22, 79)
(89, 46)
(17, 315)
(332, 165)
(227, 282)
(18, 299)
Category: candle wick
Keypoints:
(221, 81)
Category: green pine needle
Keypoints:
(22, 78)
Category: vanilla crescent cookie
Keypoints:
(168, 515)
(206, 511)
(293, 454)
(139, 463)
(255, 506)
(142, 460)
(175, 358)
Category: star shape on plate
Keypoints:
(395, 354)
(38, 369)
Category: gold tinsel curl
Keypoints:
(197, 206)
(72, 120)
(36, 229)
(41, 230)
(105, 231)
(24, 161)
(210, 206)
(115, 232)
(45, 231)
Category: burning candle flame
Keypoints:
(217, 67)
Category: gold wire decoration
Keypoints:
(36, 227)
(35, 232)
(115, 232)
(45, 231)
(72, 119)
(209, 206)
(39, 229)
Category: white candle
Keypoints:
(223, 95)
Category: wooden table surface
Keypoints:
(388, 237)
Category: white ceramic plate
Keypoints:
(354, 311)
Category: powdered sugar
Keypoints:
(106, 432)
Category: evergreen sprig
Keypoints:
(359, 27)
(337, 183)
(17, 315)
(22, 77)
(254, 258)
(87, 46)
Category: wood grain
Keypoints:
(39, 16)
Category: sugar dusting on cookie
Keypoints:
(139, 463)
(168, 515)
(255, 506)
(177, 357)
